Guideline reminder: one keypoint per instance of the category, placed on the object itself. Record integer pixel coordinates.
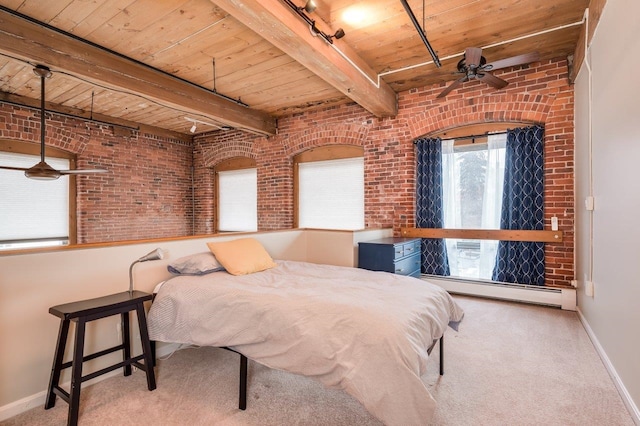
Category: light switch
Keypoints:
(588, 203)
(588, 289)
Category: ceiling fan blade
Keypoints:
(21, 169)
(472, 57)
(513, 61)
(82, 171)
(452, 86)
(492, 80)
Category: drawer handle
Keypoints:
(399, 270)
(399, 251)
(409, 249)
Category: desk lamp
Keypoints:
(154, 255)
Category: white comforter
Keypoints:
(361, 331)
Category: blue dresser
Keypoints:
(396, 255)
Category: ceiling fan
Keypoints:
(474, 66)
(43, 171)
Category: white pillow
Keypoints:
(195, 264)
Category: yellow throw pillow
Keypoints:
(242, 256)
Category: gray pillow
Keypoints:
(195, 264)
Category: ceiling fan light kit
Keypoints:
(474, 66)
(43, 171)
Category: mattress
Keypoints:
(361, 331)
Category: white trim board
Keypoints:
(624, 394)
(564, 298)
(34, 401)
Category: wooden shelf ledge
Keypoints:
(544, 236)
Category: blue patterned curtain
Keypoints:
(522, 207)
(429, 204)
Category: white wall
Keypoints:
(338, 247)
(30, 283)
(612, 314)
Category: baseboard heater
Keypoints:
(564, 298)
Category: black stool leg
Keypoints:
(153, 352)
(57, 364)
(76, 373)
(242, 404)
(126, 342)
(146, 347)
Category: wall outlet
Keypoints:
(554, 223)
(574, 283)
(588, 288)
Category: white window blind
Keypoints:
(32, 209)
(331, 194)
(238, 200)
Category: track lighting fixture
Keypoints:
(196, 122)
(339, 34)
(309, 7)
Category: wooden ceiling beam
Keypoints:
(341, 67)
(22, 101)
(595, 11)
(34, 42)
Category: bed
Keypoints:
(368, 333)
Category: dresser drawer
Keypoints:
(410, 248)
(408, 266)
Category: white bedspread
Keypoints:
(361, 331)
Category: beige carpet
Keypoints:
(510, 364)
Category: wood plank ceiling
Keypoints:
(151, 62)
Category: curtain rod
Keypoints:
(481, 135)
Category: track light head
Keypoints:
(310, 6)
(339, 34)
(205, 123)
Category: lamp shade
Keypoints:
(154, 255)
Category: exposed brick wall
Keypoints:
(147, 192)
(539, 94)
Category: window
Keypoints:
(330, 188)
(470, 188)
(473, 178)
(34, 213)
(237, 195)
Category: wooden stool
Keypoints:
(89, 310)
